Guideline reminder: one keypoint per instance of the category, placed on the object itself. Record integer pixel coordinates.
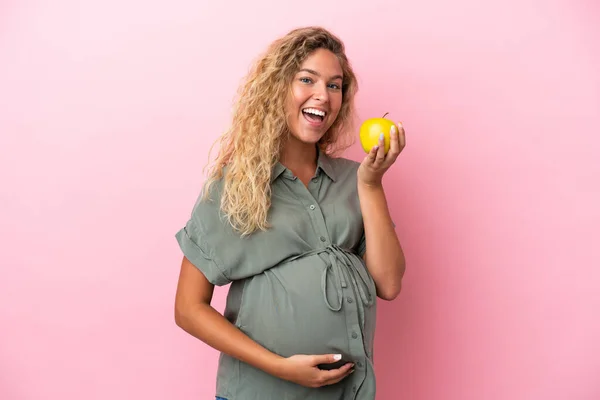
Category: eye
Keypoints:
(305, 80)
(334, 86)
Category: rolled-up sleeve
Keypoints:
(194, 249)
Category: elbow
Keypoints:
(180, 315)
(391, 286)
(389, 293)
(187, 314)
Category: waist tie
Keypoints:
(338, 261)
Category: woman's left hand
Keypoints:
(376, 163)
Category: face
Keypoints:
(316, 97)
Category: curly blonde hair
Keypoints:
(251, 147)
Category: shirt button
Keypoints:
(314, 179)
(354, 388)
(354, 335)
(323, 239)
(312, 207)
(349, 300)
(359, 364)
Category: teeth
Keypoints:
(315, 112)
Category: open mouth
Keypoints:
(314, 115)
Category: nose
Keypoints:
(321, 93)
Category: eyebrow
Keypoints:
(310, 71)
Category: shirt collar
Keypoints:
(278, 169)
(324, 163)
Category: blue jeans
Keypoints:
(220, 398)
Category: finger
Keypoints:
(401, 135)
(326, 359)
(394, 143)
(334, 381)
(336, 375)
(372, 154)
(381, 151)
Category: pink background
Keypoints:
(107, 111)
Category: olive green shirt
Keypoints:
(301, 287)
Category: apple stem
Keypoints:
(385, 114)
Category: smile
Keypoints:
(314, 116)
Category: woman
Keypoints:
(305, 239)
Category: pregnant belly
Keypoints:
(284, 310)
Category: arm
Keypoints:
(195, 315)
(384, 256)
(385, 261)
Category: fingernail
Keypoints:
(381, 136)
(400, 124)
(393, 128)
(375, 147)
(337, 357)
(352, 370)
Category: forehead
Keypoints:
(323, 62)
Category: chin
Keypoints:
(308, 137)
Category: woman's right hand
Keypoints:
(304, 370)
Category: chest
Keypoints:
(322, 212)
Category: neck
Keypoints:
(300, 158)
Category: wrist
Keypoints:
(370, 186)
(276, 366)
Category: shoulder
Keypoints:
(206, 212)
(344, 168)
(343, 162)
(212, 190)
